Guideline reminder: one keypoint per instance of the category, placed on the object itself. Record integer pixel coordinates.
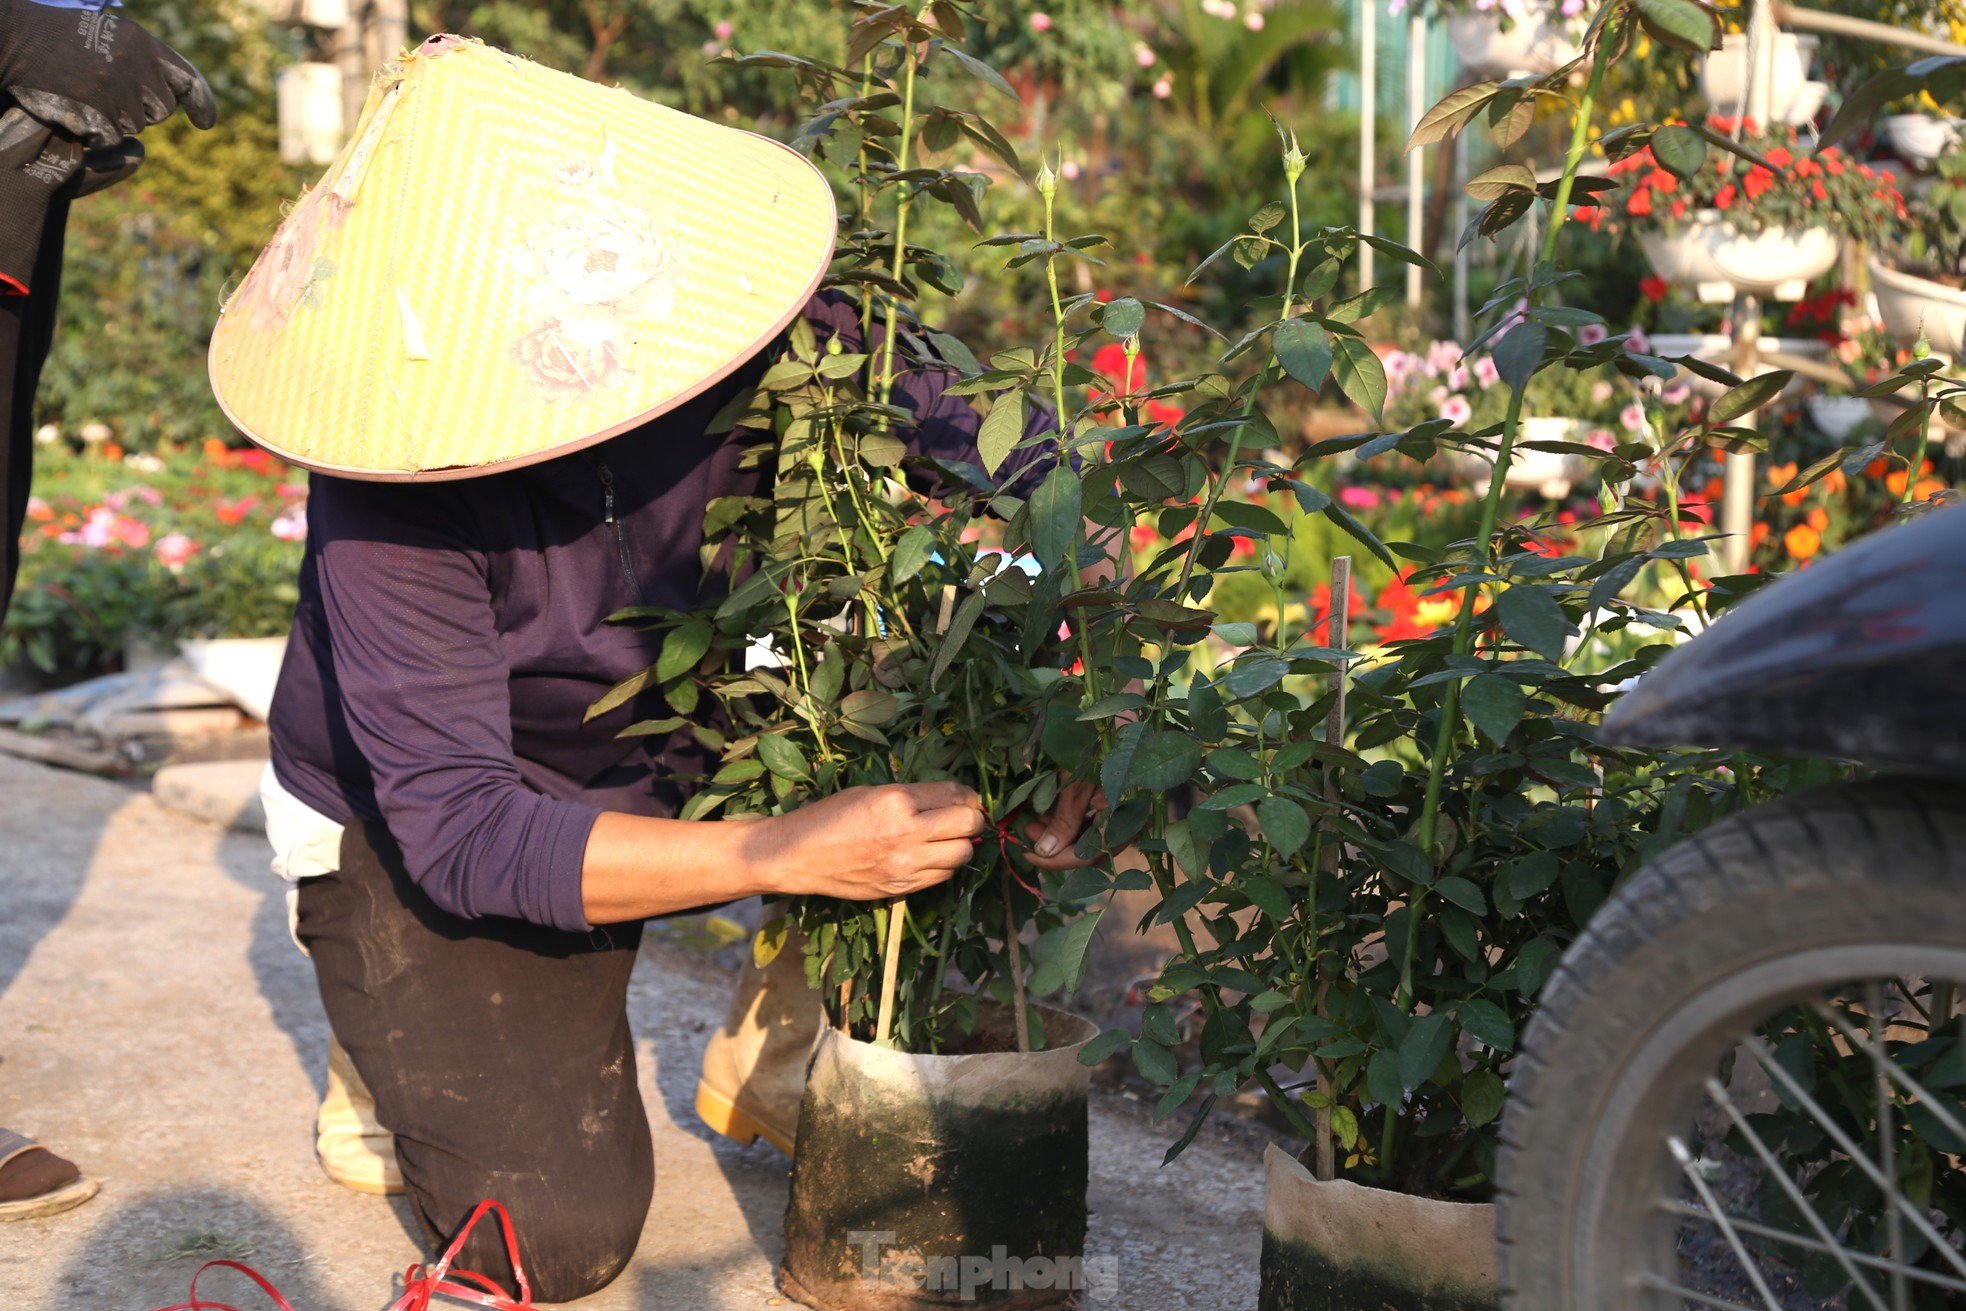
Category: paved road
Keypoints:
(157, 1024)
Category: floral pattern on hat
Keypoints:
(599, 272)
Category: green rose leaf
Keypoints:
(1520, 352)
(1003, 428)
(911, 553)
(1681, 23)
(1106, 1044)
(1462, 893)
(1487, 1023)
(1285, 824)
(681, 650)
(1680, 150)
(1360, 376)
(1164, 761)
(1155, 1062)
(1056, 515)
(1426, 1042)
(1495, 704)
(1481, 1097)
(1532, 617)
(781, 755)
(1304, 350)
(1124, 317)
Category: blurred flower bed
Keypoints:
(128, 552)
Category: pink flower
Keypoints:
(1069, 170)
(1486, 373)
(1590, 334)
(1637, 342)
(1442, 356)
(132, 533)
(1144, 55)
(173, 550)
(1600, 392)
(1253, 21)
(1677, 394)
(1040, 21)
(1633, 417)
(1457, 411)
(724, 29)
(290, 525)
(1163, 88)
(1601, 438)
(1358, 498)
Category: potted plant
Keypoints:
(1505, 38)
(1383, 852)
(1792, 97)
(1919, 276)
(1765, 221)
(870, 637)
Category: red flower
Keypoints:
(1759, 180)
(1780, 157)
(1653, 289)
(1725, 197)
(1640, 203)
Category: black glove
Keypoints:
(37, 164)
(80, 66)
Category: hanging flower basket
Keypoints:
(1919, 139)
(1718, 262)
(1909, 304)
(1838, 417)
(1547, 473)
(1724, 78)
(1512, 38)
(1339, 1246)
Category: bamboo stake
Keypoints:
(1334, 735)
(897, 915)
(1018, 1004)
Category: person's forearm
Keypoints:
(637, 867)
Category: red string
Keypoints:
(1004, 838)
(420, 1285)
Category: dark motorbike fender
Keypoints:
(1862, 657)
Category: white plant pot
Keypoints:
(1724, 76)
(1921, 138)
(244, 669)
(1808, 103)
(1909, 304)
(1715, 349)
(1719, 263)
(1338, 1246)
(1541, 43)
(1837, 417)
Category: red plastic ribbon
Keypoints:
(420, 1285)
(1004, 838)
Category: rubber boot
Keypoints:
(754, 1068)
(355, 1151)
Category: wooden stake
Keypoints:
(1012, 943)
(1338, 636)
(897, 914)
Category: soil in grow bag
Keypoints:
(936, 1181)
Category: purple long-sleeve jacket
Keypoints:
(450, 637)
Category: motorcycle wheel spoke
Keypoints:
(1893, 1198)
(1825, 1240)
(1724, 1221)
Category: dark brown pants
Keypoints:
(499, 1055)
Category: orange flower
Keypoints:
(1818, 518)
(1802, 541)
(1877, 468)
(1926, 488)
(1759, 533)
(1894, 482)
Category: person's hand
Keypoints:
(870, 843)
(94, 73)
(1052, 835)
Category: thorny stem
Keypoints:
(899, 261)
(805, 676)
(1065, 424)
(1450, 708)
(1917, 464)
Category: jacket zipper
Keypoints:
(620, 534)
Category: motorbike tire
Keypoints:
(1713, 937)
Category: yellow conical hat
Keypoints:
(507, 263)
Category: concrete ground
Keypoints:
(158, 1026)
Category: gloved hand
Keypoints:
(80, 66)
(36, 164)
